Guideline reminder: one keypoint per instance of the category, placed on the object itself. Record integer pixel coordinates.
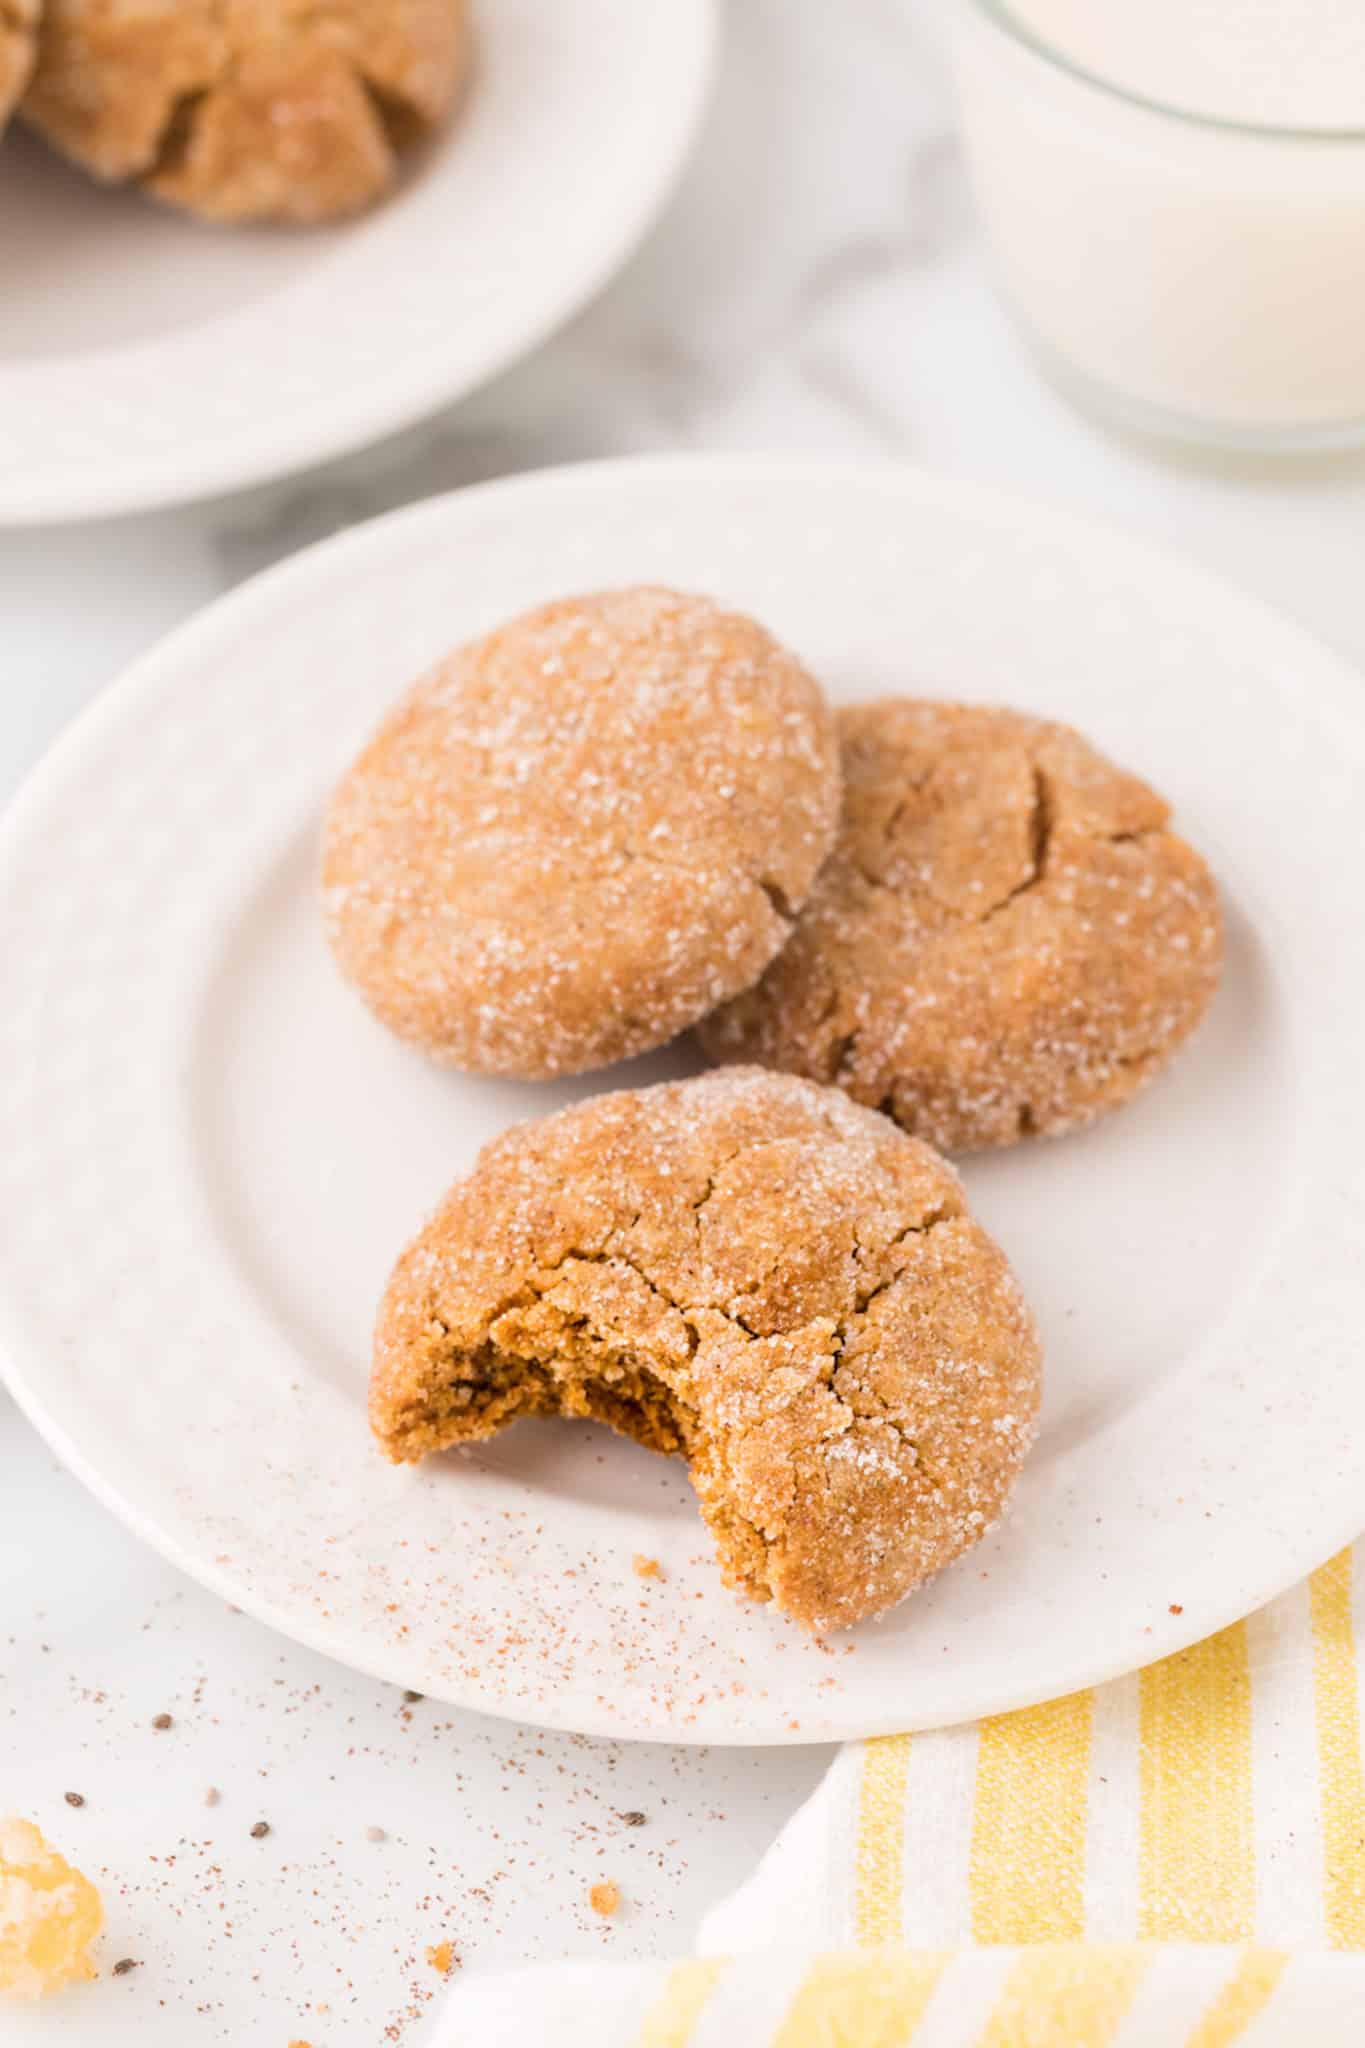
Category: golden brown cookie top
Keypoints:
(247, 109)
(1006, 940)
(581, 832)
(18, 47)
(756, 1270)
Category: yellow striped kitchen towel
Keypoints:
(1175, 1860)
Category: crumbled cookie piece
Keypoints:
(604, 1898)
(1007, 939)
(757, 1274)
(247, 110)
(580, 833)
(49, 1915)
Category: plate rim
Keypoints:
(1338, 691)
(394, 405)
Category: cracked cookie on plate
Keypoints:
(18, 43)
(758, 1275)
(247, 110)
(579, 834)
(1008, 938)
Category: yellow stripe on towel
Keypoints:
(1337, 1699)
(1247, 1992)
(1196, 1860)
(670, 2020)
(1029, 1826)
(1072, 1994)
(861, 2001)
(880, 1876)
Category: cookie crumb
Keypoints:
(633, 1819)
(124, 1965)
(212, 1796)
(442, 1958)
(162, 1721)
(646, 1567)
(605, 1898)
(49, 1915)
(74, 1798)
(410, 1699)
(375, 1835)
(1176, 1607)
(261, 1830)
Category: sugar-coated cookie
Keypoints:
(247, 110)
(756, 1273)
(1008, 938)
(577, 835)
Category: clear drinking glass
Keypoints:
(1186, 274)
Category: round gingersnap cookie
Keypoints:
(18, 48)
(752, 1272)
(580, 833)
(247, 110)
(1007, 939)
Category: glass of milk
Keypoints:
(1175, 194)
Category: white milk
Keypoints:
(1200, 276)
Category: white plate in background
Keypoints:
(147, 358)
(211, 1153)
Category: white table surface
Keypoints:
(817, 286)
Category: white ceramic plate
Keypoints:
(146, 358)
(211, 1154)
